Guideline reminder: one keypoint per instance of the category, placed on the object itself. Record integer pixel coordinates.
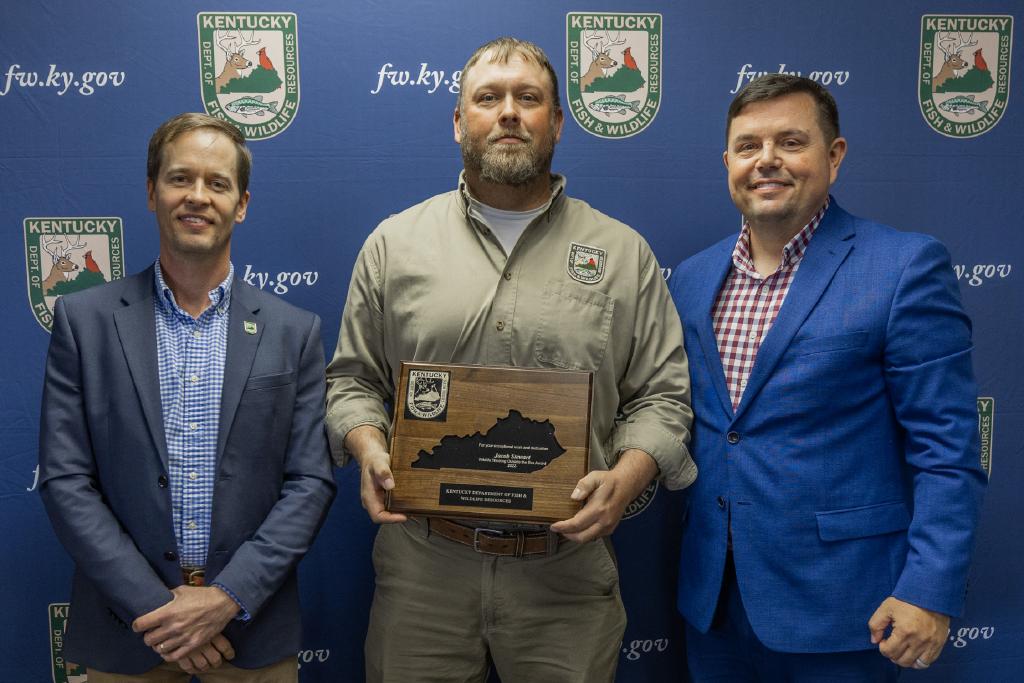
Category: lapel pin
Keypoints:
(250, 327)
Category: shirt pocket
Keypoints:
(575, 323)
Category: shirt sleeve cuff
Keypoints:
(243, 614)
(676, 468)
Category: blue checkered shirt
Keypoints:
(191, 354)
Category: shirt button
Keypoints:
(508, 275)
(752, 337)
(733, 437)
(194, 379)
(161, 481)
(743, 384)
(193, 525)
(170, 556)
(197, 334)
(193, 426)
(721, 502)
(500, 325)
(193, 476)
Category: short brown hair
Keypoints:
(503, 48)
(183, 123)
(772, 86)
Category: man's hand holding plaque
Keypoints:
(607, 493)
(367, 445)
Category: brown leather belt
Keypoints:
(193, 576)
(494, 542)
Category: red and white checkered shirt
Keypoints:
(748, 304)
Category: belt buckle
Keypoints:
(492, 533)
(194, 576)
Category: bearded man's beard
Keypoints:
(515, 165)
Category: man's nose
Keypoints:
(509, 115)
(768, 158)
(197, 193)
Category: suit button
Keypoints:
(733, 437)
(170, 556)
(721, 502)
(161, 481)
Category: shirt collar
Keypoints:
(792, 252)
(470, 205)
(220, 296)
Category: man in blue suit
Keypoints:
(183, 458)
(835, 420)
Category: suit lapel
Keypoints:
(245, 329)
(825, 253)
(136, 329)
(721, 262)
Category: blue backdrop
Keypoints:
(358, 126)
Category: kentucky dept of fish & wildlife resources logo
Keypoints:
(427, 395)
(986, 426)
(586, 263)
(964, 74)
(64, 255)
(63, 671)
(613, 74)
(249, 69)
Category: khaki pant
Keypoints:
(441, 612)
(285, 671)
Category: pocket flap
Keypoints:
(861, 522)
(836, 342)
(268, 381)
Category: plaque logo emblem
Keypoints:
(249, 69)
(64, 255)
(964, 73)
(427, 396)
(586, 263)
(62, 670)
(613, 71)
(986, 425)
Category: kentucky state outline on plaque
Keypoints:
(613, 73)
(513, 444)
(249, 69)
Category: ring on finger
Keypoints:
(921, 664)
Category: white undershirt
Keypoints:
(507, 226)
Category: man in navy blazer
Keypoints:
(183, 458)
(835, 420)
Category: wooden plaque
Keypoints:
(495, 443)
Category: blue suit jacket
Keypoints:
(103, 469)
(851, 467)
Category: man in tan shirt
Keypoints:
(508, 271)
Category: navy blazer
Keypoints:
(103, 470)
(851, 467)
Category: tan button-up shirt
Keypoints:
(579, 291)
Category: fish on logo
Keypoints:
(962, 104)
(615, 104)
(251, 105)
